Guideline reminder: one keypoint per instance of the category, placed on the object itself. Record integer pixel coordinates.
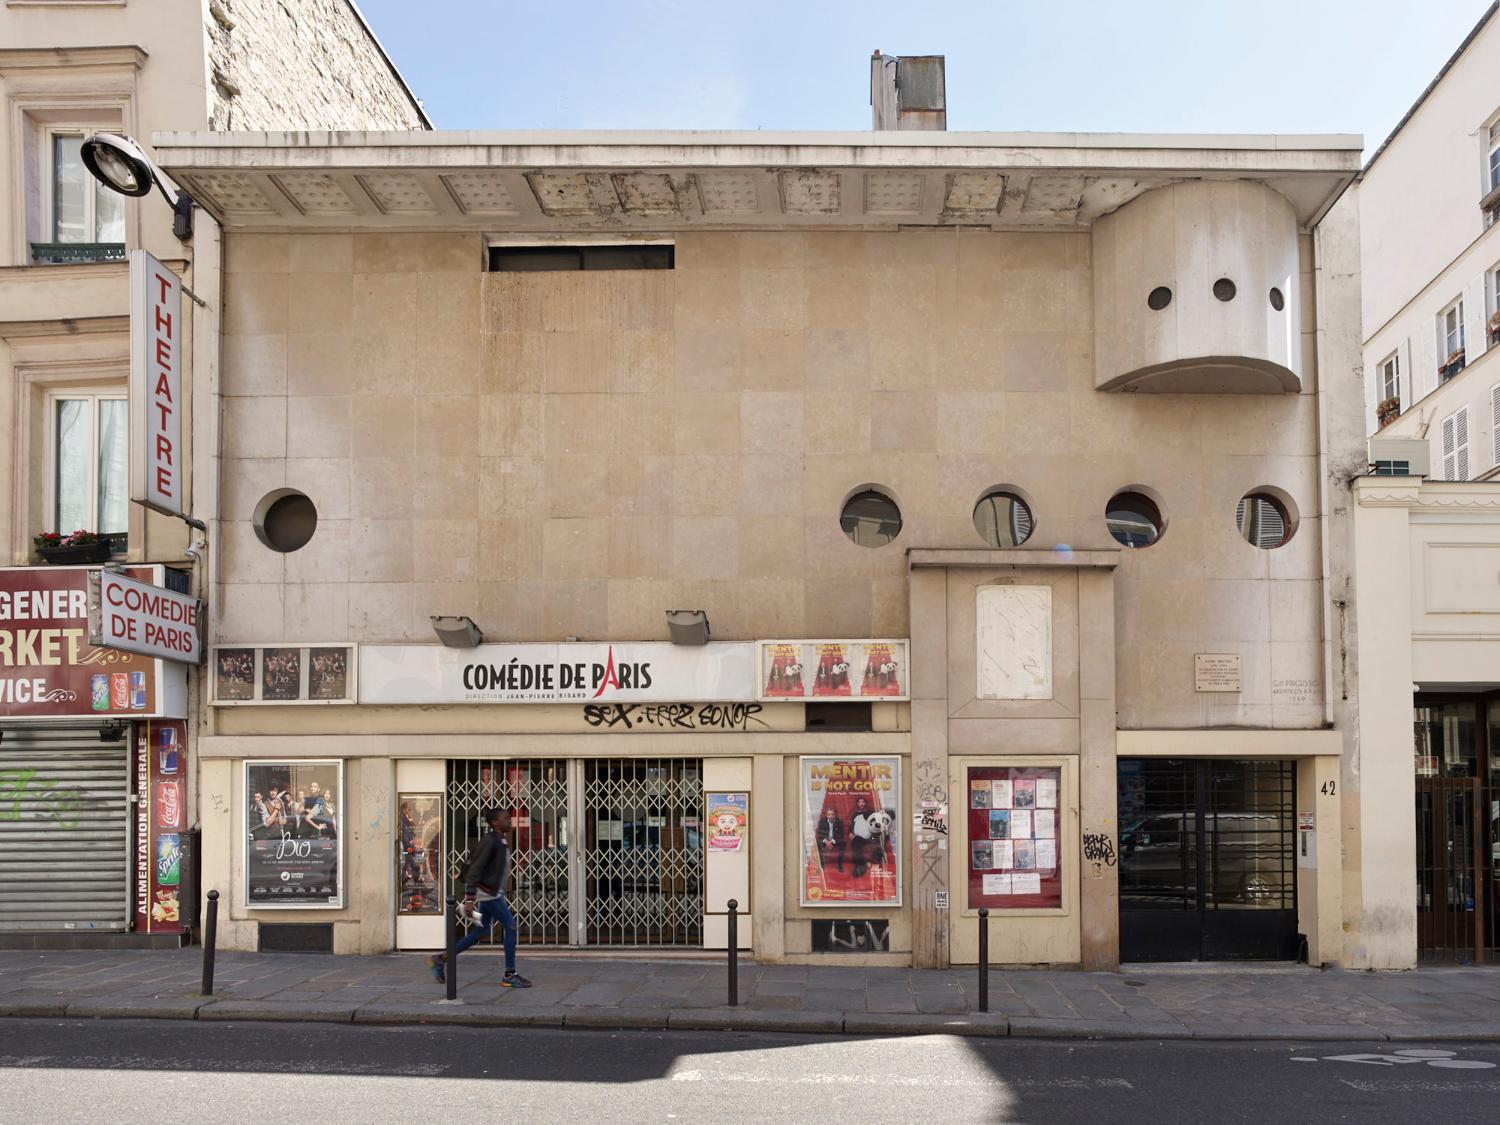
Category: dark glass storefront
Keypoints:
(1457, 760)
(1207, 862)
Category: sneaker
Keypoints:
(514, 980)
(435, 966)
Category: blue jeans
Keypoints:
(492, 911)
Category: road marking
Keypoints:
(1414, 1055)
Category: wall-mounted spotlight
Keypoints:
(688, 626)
(457, 632)
(121, 165)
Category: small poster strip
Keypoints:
(284, 675)
(834, 670)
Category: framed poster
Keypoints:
(851, 831)
(728, 821)
(833, 670)
(1013, 822)
(284, 675)
(419, 853)
(294, 848)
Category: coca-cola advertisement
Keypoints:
(160, 817)
(293, 840)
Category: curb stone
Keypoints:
(269, 1010)
(33, 1008)
(471, 1015)
(755, 1019)
(652, 1019)
(974, 1024)
(155, 1008)
(1048, 1027)
(1281, 1032)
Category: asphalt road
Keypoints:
(153, 1071)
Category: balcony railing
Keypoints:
(66, 253)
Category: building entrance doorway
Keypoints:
(607, 852)
(1207, 860)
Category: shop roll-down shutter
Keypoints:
(64, 828)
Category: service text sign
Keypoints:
(156, 358)
(138, 617)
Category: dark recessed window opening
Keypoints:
(836, 716)
(285, 520)
(870, 518)
(1262, 521)
(1224, 289)
(1133, 519)
(1159, 298)
(1002, 519)
(1278, 299)
(531, 259)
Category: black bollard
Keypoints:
(210, 937)
(734, 953)
(984, 959)
(450, 955)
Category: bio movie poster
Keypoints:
(234, 674)
(728, 821)
(851, 831)
(293, 838)
(160, 817)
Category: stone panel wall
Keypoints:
(308, 65)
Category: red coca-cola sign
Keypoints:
(169, 804)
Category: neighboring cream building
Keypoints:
(1005, 467)
(68, 70)
(1427, 525)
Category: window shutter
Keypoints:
(1448, 457)
(1476, 339)
(1461, 443)
(1495, 424)
(1404, 371)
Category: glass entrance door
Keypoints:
(606, 852)
(1207, 861)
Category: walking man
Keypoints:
(484, 898)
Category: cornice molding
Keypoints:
(15, 59)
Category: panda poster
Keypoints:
(851, 831)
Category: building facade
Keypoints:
(95, 744)
(1005, 470)
(1427, 522)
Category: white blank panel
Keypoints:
(419, 931)
(716, 932)
(726, 774)
(1013, 635)
(421, 777)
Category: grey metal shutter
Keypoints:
(65, 816)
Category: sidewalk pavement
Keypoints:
(1282, 1003)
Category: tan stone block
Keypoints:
(637, 609)
(256, 253)
(444, 486)
(575, 548)
(253, 365)
(255, 304)
(447, 425)
(774, 359)
(772, 298)
(244, 558)
(510, 487)
(838, 298)
(501, 611)
(385, 363)
(250, 612)
(709, 299)
(382, 550)
(848, 250)
(904, 300)
(246, 481)
(511, 425)
(576, 609)
(318, 364)
(902, 422)
(837, 360)
(771, 607)
(708, 359)
(510, 549)
(447, 364)
(706, 423)
(705, 485)
(383, 303)
(500, 302)
(770, 422)
(320, 302)
(970, 422)
(1036, 361)
(321, 253)
(577, 424)
(316, 611)
(711, 251)
(1296, 610)
(254, 427)
(634, 300)
(1038, 423)
(447, 303)
(769, 485)
(778, 249)
(435, 599)
(325, 481)
(325, 557)
(828, 553)
(447, 550)
(839, 607)
(888, 609)
(771, 546)
(568, 362)
(550, 302)
(901, 360)
(577, 485)
(641, 485)
(836, 422)
(705, 547)
(640, 362)
(380, 487)
(382, 426)
(503, 368)
(428, 253)
(971, 360)
(638, 549)
(640, 425)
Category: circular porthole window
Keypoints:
(1278, 299)
(870, 518)
(1134, 519)
(1159, 298)
(285, 520)
(1224, 289)
(1264, 519)
(1002, 518)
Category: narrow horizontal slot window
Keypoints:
(532, 259)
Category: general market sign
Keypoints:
(567, 673)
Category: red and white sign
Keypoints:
(156, 358)
(138, 617)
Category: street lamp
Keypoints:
(120, 164)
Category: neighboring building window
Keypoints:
(1492, 157)
(1451, 340)
(1390, 378)
(1456, 445)
(89, 452)
(85, 220)
(1493, 285)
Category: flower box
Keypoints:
(1387, 411)
(77, 549)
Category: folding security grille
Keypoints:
(643, 851)
(536, 793)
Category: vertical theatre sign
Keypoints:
(156, 355)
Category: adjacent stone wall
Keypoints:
(309, 65)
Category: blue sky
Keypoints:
(1315, 66)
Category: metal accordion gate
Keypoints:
(632, 876)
